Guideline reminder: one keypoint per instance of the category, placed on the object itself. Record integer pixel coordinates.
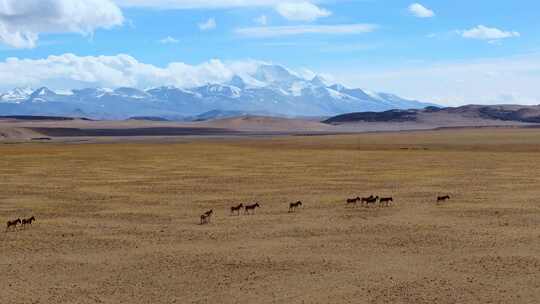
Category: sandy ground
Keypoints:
(13, 131)
(118, 223)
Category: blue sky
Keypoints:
(452, 52)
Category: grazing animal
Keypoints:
(205, 217)
(366, 199)
(236, 209)
(13, 224)
(27, 221)
(293, 206)
(353, 200)
(252, 207)
(443, 198)
(385, 201)
(372, 200)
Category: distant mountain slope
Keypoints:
(148, 118)
(266, 124)
(37, 118)
(217, 114)
(271, 90)
(507, 113)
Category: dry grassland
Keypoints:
(118, 223)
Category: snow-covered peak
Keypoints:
(131, 93)
(319, 81)
(220, 90)
(92, 92)
(337, 95)
(248, 80)
(274, 74)
(373, 95)
(42, 92)
(338, 87)
(64, 92)
(238, 82)
(171, 92)
(16, 95)
(297, 88)
(163, 89)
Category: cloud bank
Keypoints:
(21, 22)
(70, 71)
(295, 10)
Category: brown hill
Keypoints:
(470, 114)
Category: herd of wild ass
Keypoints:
(364, 201)
(23, 223)
(250, 209)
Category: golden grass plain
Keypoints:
(119, 223)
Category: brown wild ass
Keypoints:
(366, 199)
(385, 201)
(252, 208)
(27, 221)
(293, 206)
(13, 224)
(353, 200)
(372, 200)
(443, 198)
(205, 217)
(236, 209)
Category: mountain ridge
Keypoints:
(270, 89)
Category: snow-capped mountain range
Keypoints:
(270, 90)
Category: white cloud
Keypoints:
(21, 22)
(421, 11)
(301, 11)
(208, 25)
(261, 20)
(69, 71)
(277, 31)
(169, 40)
(482, 32)
(196, 4)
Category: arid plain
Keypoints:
(119, 222)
